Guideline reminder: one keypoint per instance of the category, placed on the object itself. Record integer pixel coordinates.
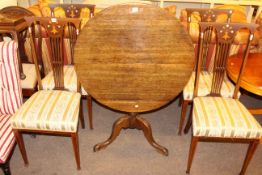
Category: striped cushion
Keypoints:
(7, 139)
(10, 88)
(223, 117)
(204, 87)
(70, 80)
(49, 110)
(31, 79)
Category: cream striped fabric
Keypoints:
(204, 87)
(223, 117)
(31, 78)
(70, 80)
(49, 110)
(7, 139)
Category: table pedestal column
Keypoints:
(132, 121)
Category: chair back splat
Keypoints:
(73, 11)
(224, 38)
(54, 28)
(207, 15)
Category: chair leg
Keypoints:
(183, 115)
(6, 168)
(180, 99)
(189, 121)
(192, 150)
(250, 152)
(89, 109)
(21, 145)
(75, 143)
(81, 116)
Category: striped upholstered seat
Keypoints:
(223, 117)
(7, 139)
(10, 95)
(49, 110)
(70, 80)
(205, 83)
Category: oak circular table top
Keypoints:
(252, 77)
(134, 58)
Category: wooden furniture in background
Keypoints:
(206, 15)
(217, 118)
(12, 22)
(73, 10)
(212, 3)
(56, 111)
(133, 58)
(252, 76)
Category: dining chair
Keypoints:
(55, 111)
(82, 12)
(71, 31)
(217, 118)
(11, 100)
(206, 15)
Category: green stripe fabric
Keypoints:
(49, 110)
(223, 117)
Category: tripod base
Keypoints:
(132, 121)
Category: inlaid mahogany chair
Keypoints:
(216, 117)
(70, 34)
(11, 100)
(52, 111)
(207, 15)
(82, 12)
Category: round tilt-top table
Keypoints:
(133, 58)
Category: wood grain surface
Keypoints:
(252, 77)
(134, 58)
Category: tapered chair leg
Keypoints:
(183, 115)
(21, 145)
(250, 152)
(6, 168)
(81, 116)
(180, 99)
(194, 141)
(189, 121)
(74, 137)
(89, 109)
